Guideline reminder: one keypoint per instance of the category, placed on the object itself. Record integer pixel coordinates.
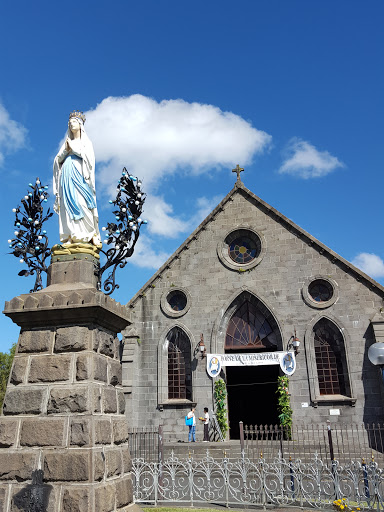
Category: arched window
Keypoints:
(252, 327)
(179, 365)
(330, 358)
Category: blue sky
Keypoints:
(180, 93)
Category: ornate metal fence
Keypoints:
(336, 441)
(280, 482)
(144, 444)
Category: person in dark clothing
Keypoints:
(205, 421)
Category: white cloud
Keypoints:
(145, 256)
(164, 224)
(369, 263)
(305, 161)
(156, 139)
(204, 207)
(12, 134)
(161, 222)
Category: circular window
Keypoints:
(320, 292)
(175, 302)
(244, 249)
(241, 249)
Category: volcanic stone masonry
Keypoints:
(63, 432)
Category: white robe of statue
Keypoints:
(74, 187)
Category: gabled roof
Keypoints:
(279, 217)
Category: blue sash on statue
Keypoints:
(73, 183)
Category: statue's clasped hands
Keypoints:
(68, 147)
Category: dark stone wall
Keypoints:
(290, 260)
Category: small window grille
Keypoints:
(179, 365)
(330, 358)
(250, 328)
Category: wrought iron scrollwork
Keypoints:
(122, 234)
(31, 242)
(314, 484)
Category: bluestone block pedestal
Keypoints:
(63, 432)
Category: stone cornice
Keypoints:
(82, 306)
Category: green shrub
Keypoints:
(284, 404)
(221, 409)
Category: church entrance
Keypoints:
(251, 390)
(252, 396)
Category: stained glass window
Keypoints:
(251, 328)
(179, 365)
(330, 358)
(177, 300)
(320, 290)
(243, 246)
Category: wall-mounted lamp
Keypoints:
(294, 343)
(201, 347)
(376, 355)
(376, 351)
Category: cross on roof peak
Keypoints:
(238, 170)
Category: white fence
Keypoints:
(258, 483)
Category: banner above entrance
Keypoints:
(286, 360)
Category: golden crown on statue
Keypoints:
(78, 115)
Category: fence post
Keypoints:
(190, 474)
(161, 455)
(225, 461)
(366, 483)
(281, 432)
(334, 471)
(161, 445)
(241, 427)
(292, 479)
(262, 478)
(156, 481)
(330, 440)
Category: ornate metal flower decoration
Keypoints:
(122, 234)
(30, 242)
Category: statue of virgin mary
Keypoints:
(74, 186)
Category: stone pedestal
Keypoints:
(63, 432)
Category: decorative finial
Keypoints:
(78, 114)
(238, 170)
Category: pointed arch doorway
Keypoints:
(251, 390)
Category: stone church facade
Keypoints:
(246, 280)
